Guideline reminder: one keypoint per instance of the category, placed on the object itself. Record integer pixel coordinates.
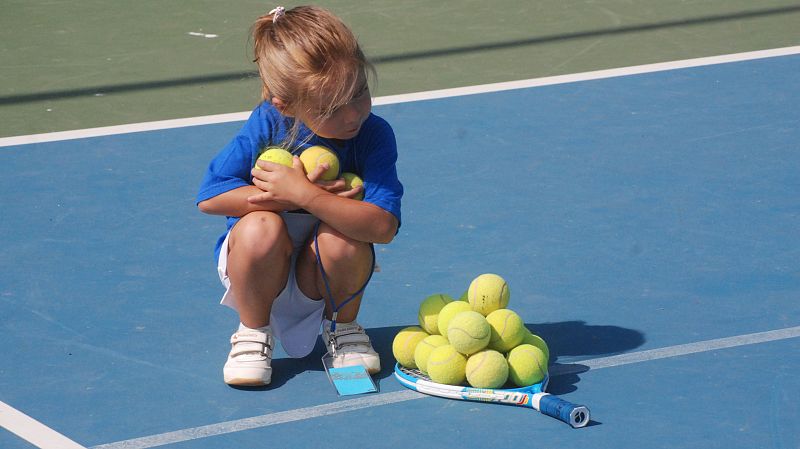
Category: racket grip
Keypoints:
(574, 415)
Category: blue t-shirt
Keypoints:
(372, 155)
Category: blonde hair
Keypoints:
(308, 58)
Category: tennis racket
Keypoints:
(532, 396)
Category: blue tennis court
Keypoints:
(647, 226)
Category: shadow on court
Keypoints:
(569, 338)
(576, 339)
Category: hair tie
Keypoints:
(277, 13)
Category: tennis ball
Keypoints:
(508, 330)
(447, 366)
(487, 293)
(276, 155)
(424, 349)
(404, 344)
(469, 332)
(351, 181)
(487, 369)
(317, 155)
(428, 315)
(448, 312)
(532, 339)
(527, 365)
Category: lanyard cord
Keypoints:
(334, 307)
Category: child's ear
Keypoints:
(280, 105)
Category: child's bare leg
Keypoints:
(259, 253)
(347, 264)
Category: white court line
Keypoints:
(404, 98)
(33, 431)
(264, 420)
(407, 395)
(673, 351)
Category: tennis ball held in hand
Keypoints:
(351, 181)
(276, 155)
(312, 157)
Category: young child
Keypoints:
(297, 248)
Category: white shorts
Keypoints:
(295, 318)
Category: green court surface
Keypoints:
(80, 64)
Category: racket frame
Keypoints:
(531, 396)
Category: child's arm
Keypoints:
(234, 203)
(358, 220)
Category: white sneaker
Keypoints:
(250, 358)
(352, 346)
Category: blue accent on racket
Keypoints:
(572, 414)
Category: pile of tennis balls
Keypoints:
(475, 339)
(312, 157)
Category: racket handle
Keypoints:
(574, 415)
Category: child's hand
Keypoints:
(291, 187)
(339, 187)
(285, 185)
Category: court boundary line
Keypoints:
(32, 430)
(410, 97)
(379, 399)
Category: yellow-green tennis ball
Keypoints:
(533, 339)
(428, 314)
(469, 332)
(487, 369)
(508, 330)
(447, 366)
(314, 156)
(424, 349)
(404, 344)
(487, 293)
(351, 181)
(448, 312)
(276, 155)
(527, 365)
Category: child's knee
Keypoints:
(338, 246)
(262, 233)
